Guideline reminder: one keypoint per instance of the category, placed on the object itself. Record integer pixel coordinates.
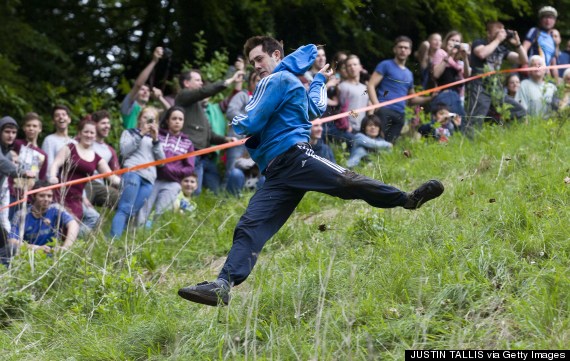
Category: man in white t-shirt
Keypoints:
(352, 94)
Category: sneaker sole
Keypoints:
(201, 298)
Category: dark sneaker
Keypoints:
(207, 293)
(426, 192)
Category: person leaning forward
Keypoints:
(278, 123)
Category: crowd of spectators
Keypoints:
(157, 127)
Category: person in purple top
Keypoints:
(390, 80)
(167, 185)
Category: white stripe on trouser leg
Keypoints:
(311, 153)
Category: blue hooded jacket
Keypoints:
(279, 113)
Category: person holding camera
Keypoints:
(450, 64)
(488, 55)
(140, 93)
(138, 146)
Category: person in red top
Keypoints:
(75, 162)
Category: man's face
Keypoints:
(353, 68)
(494, 31)
(61, 119)
(8, 135)
(32, 129)
(263, 62)
(316, 131)
(402, 50)
(547, 22)
(103, 128)
(321, 59)
(143, 95)
(42, 200)
(537, 75)
(195, 81)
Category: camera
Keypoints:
(167, 53)
(510, 34)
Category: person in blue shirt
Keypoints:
(539, 41)
(278, 125)
(391, 80)
(44, 222)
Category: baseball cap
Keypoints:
(547, 10)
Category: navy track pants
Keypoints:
(288, 177)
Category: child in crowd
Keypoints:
(442, 125)
(369, 139)
(184, 202)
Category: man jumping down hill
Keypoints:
(278, 123)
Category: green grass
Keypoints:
(486, 266)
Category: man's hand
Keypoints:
(153, 131)
(237, 77)
(501, 35)
(156, 93)
(157, 54)
(515, 40)
(326, 71)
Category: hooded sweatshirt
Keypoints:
(175, 145)
(7, 167)
(279, 113)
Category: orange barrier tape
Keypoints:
(242, 141)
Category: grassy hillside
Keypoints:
(485, 266)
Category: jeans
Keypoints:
(237, 181)
(208, 176)
(362, 144)
(135, 192)
(162, 198)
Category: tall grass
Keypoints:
(485, 266)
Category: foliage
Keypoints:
(483, 267)
(80, 47)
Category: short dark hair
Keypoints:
(187, 75)
(403, 38)
(100, 115)
(31, 116)
(493, 23)
(370, 119)
(60, 107)
(40, 184)
(268, 45)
